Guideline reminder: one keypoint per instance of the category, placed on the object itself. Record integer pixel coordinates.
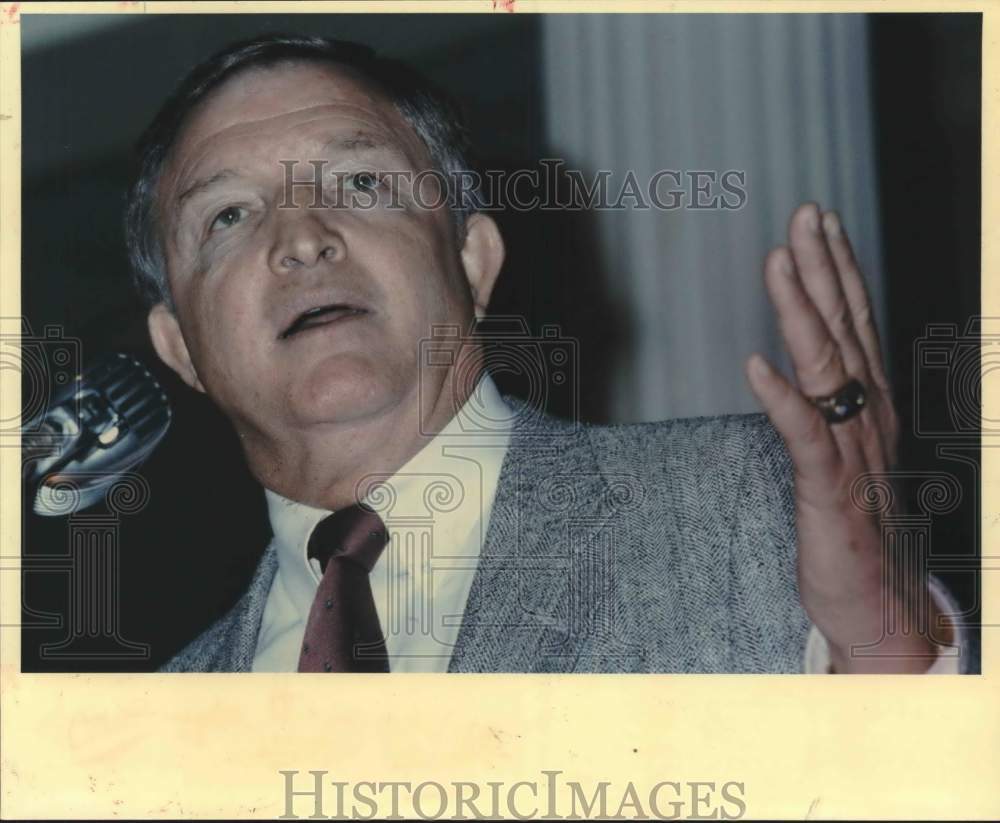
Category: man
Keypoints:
(681, 546)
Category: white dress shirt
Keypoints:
(436, 509)
(440, 506)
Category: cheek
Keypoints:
(228, 327)
(424, 273)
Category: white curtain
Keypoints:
(784, 98)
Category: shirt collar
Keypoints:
(483, 419)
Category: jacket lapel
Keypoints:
(240, 627)
(550, 497)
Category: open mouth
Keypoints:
(320, 316)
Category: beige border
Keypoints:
(100, 746)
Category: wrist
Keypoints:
(897, 637)
(891, 655)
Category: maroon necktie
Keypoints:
(343, 633)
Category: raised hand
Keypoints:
(826, 319)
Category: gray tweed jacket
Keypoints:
(654, 547)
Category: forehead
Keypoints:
(288, 100)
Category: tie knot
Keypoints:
(355, 533)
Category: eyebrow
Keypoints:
(204, 183)
(361, 141)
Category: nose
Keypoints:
(304, 240)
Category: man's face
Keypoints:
(253, 284)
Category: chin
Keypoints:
(342, 389)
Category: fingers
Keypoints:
(821, 280)
(857, 297)
(815, 355)
(807, 435)
(819, 296)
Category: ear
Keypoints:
(482, 257)
(165, 332)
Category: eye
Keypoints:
(364, 181)
(228, 217)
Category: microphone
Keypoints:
(99, 426)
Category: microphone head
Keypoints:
(101, 425)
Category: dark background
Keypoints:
(187, 555)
